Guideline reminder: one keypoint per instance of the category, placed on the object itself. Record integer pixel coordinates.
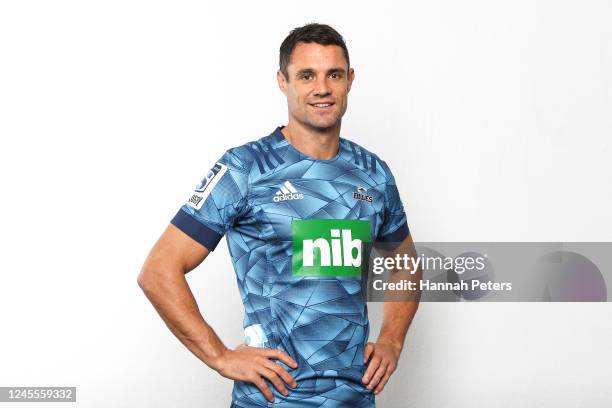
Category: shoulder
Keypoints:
(245, 155)
(260, 155)
(366, 159)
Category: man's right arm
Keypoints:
(162, 279)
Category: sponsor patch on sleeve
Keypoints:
(205, 186)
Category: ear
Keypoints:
(350, 77)
(282, 81)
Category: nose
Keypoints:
(321, 87)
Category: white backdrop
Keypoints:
(495, 117)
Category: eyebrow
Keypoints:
(329, 71)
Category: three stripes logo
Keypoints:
(287, 192)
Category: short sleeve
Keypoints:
(395, 224)
(216, 203)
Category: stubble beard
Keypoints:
(322, 129)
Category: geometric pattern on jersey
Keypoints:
(321, 322)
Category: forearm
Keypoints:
(400, 309)
(172, 298)
(396, 321)
(401, 306)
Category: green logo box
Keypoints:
(329, 247)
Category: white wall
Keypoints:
(494, 115)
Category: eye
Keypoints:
(335, 75)
(306, 77)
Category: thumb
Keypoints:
(369, 348)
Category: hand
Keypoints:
(384, 357)
(250, 364)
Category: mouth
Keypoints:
(322, 105)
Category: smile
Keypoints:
(321, 105)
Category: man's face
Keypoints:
(317, 86)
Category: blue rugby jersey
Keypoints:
(294, 226)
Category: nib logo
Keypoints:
(327, 247)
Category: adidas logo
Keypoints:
(287, 192)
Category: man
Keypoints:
(297, 207)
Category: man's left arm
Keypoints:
(384, 354)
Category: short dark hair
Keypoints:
(310, 33)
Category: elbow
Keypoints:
(145, 278)
(154, 276)
(157, 272)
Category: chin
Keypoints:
(324, 125)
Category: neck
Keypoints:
(318, 144)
